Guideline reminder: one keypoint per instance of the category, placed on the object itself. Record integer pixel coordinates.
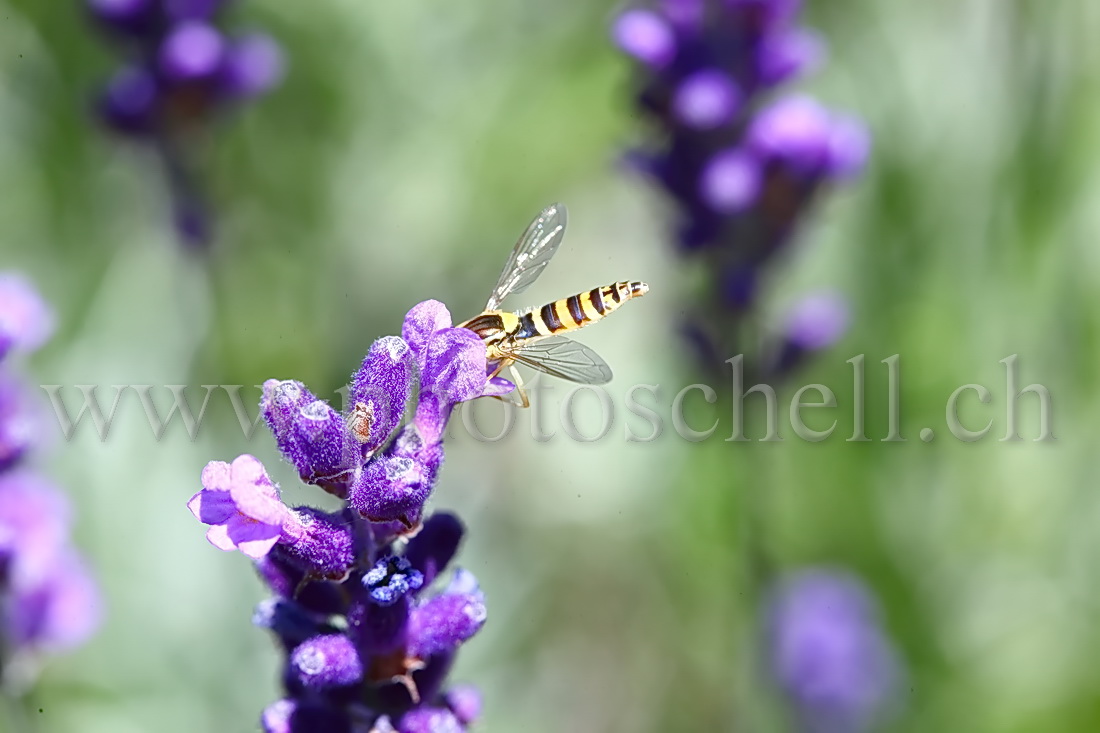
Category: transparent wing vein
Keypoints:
(564, 358)
(531, 254)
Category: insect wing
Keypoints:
(531, 254)
(564, 358)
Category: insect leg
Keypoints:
(519, 385)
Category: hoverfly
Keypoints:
(530, 337)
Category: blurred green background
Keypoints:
(408, 147)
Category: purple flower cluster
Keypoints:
(367, 647)
(742, 165)
(829, 654)
(48, 600)
(181, 70)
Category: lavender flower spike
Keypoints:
(49, 601)
(181, 69)
(742, 165)
(828, 652)
(367, 646)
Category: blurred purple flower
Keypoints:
(743, 170)
(26, 322)
(828, 652)
(349, 611)
(181, 69)
(48, 599)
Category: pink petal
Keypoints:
(254, 504)
(218, 536)
(422, 321)
(252, 538)
(498, 386)
(247, 469)
(212, 507)
(216, 476)
(257, 549)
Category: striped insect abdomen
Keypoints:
(578, 311)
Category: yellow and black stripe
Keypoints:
(577, 311)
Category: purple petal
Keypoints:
(310, 434)
(327, 662)
(730, 182)
(380, 391)
(706, 99)
(828, 651)
(789, 54)
(21, 421)
(251, 538)
(35, 518)
(465, 702)
(217, 476)
(443, 623)
(192, 9)
(192, 51)
(392, 487)
(247, 470)
(259, 507)
(764, 15)
(645, 36)
(421, 322)
(456, 356)
(212, 507)
(498, 386)
(129, 16)
(435, 545)
(796, 130)
(26, 322)
(218, 536)
(305, 716)
(59, 613)
(849, 147)
(319, 543)
(430, 720)
(818, 321)
(254, 65)
(129, 100)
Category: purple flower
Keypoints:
(706, 99)
(362, 643)
(254, 65)
(742, 170)
(241, 505)
(380, 392)
(328, 661)
(20, 421)
(192, 51)
(49, 601)
(465, 702)
(26, 322)
(730, 182)
(305, 716)
(828, 652)
(313, 436)
(430, 720)
(817, 321)
(57, 613)
(444, 622)
(35, 521)
(130, 17)
(181, 68)
(646, 36)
